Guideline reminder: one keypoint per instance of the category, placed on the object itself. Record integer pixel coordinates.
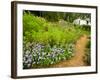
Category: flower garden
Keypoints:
(46, 43)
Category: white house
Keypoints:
(82, 22)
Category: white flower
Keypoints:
(28, 65)
(27, 52)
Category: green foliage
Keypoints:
(87, 57)
(39, 30)
(86, 27)
(33, 23)
(51, 16)
(88, 44)
(55, 16)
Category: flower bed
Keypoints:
(39, 55)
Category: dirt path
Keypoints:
(77, 60)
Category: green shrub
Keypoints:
(86, 27)
(39, 30)
(87, 57)
(88, 44)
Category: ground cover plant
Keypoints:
(49, 38)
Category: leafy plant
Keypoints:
(87, 57)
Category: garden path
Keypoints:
(77, 60)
